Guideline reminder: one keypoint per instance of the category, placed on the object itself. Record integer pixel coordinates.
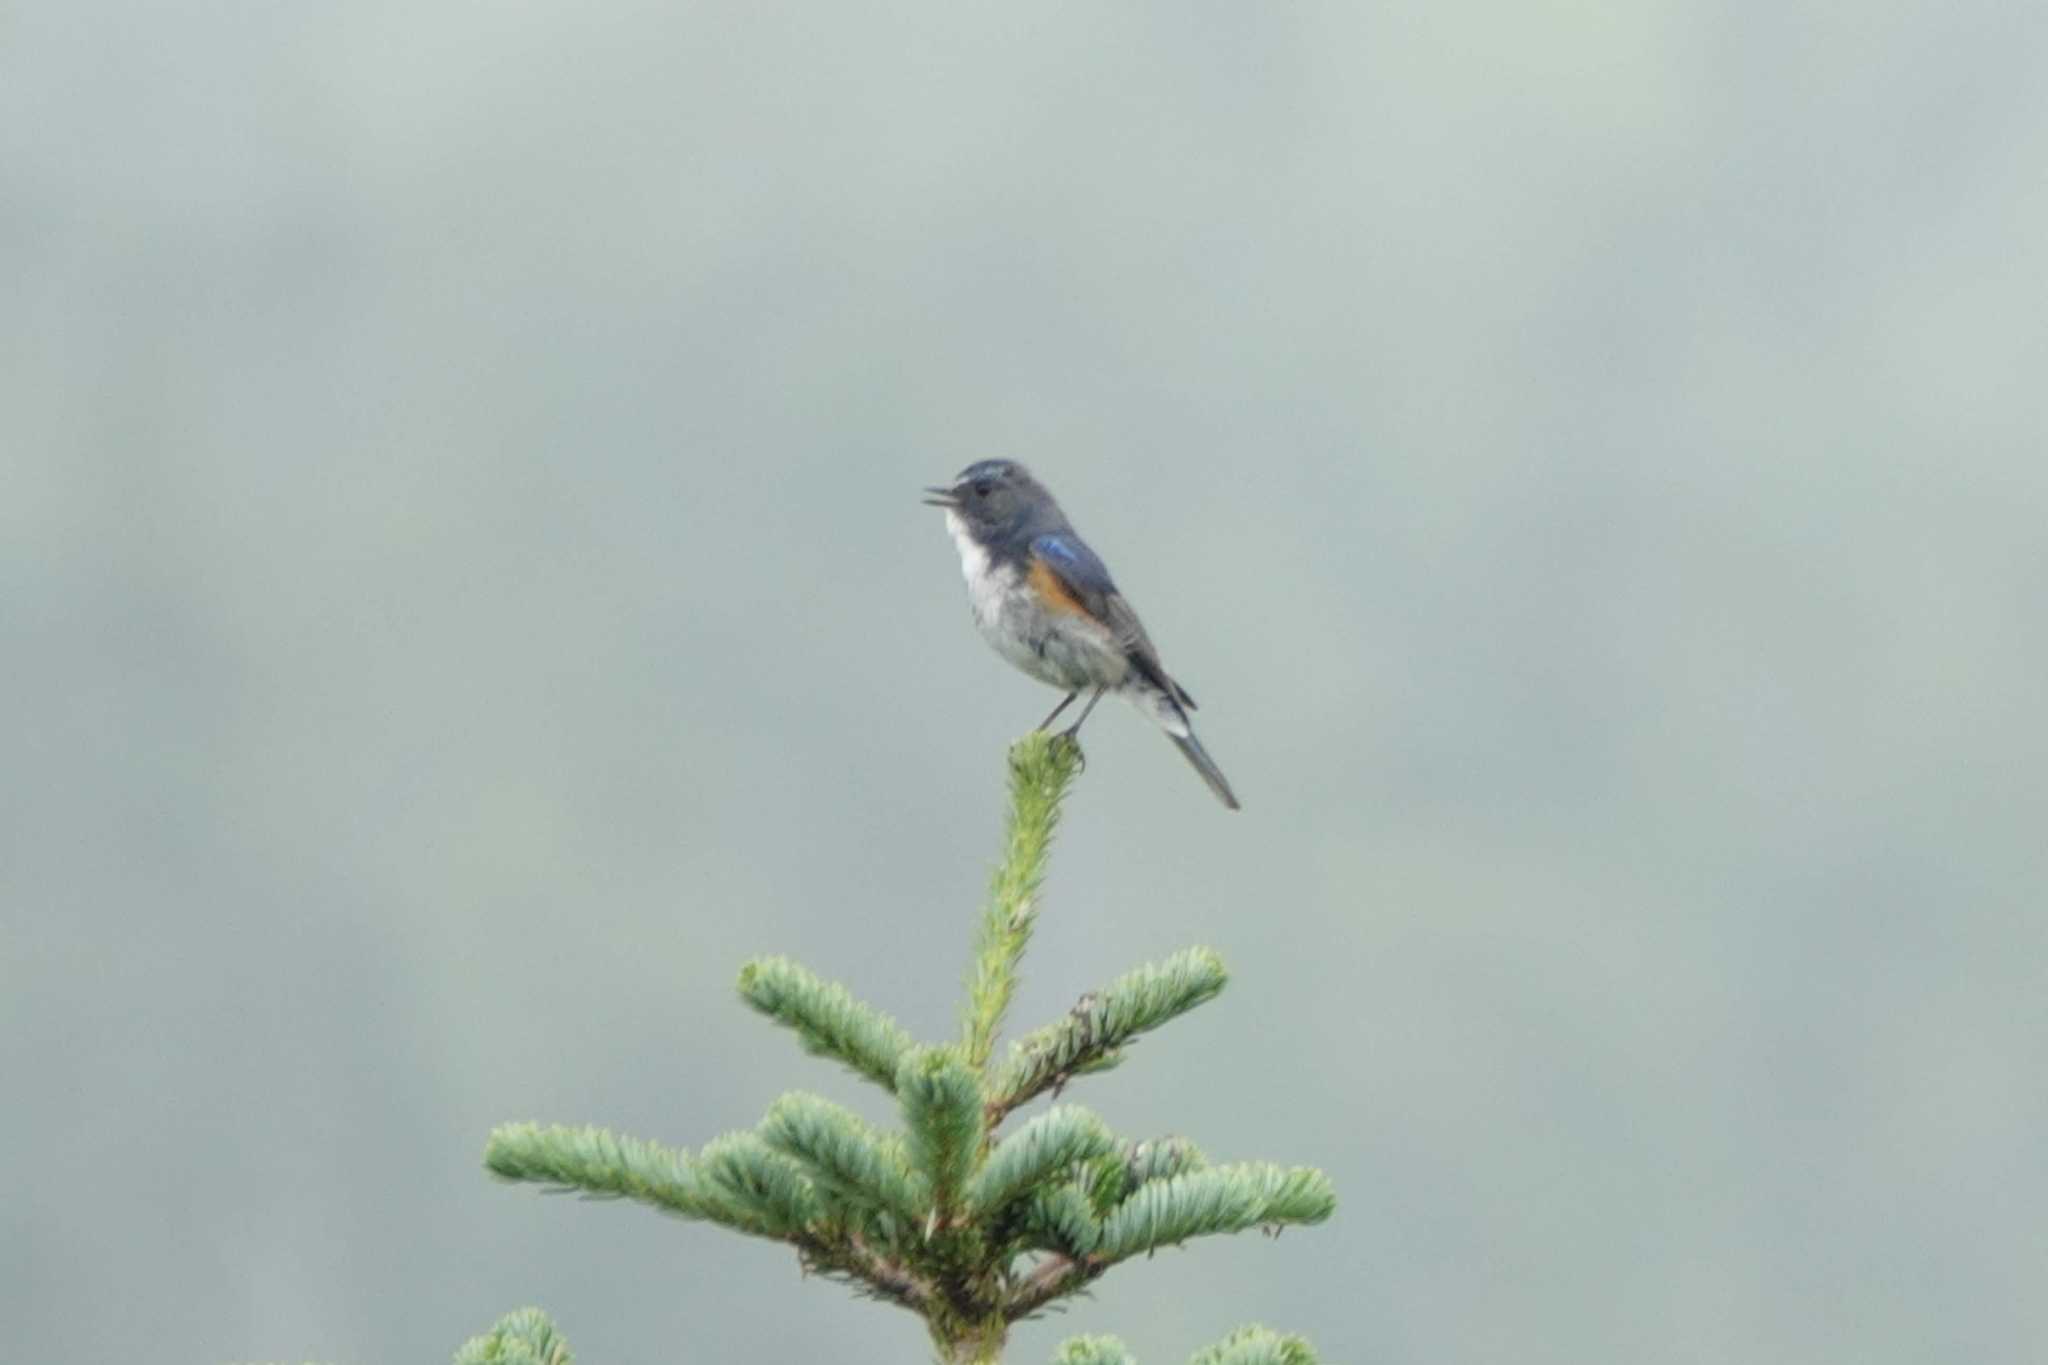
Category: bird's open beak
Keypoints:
(941, 497)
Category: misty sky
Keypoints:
(463, 591)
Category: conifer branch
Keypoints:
(1093, 1351)
(522, 1337)
(600, 1164)
(1061, 1219)
(1042, 768)
(767, 1186)
(1058, 1138)
(1066, 1217)
(1055, 1278)
(872, 1274)
(827, 1019)
(1145, 1162)
(845, 1158)
(941, 1102)
(1091, 1035)
(1218, 1199)
(1256, 1346)
(737, 1182)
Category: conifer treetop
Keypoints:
(964, 1225)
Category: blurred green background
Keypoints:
(463, 591)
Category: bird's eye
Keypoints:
(982, 488)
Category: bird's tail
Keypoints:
(1205, 765)
(1166, 712)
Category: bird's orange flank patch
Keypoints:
(1053, 591)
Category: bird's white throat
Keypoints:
(987, 589)
(973, 559)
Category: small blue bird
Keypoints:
(1047, 604)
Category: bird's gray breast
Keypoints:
(1064, 648)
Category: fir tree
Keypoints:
(967, 1226)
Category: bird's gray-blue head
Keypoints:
(997, 500)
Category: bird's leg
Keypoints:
(1057, 709)
(1073, 732)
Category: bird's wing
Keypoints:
(1069, 575)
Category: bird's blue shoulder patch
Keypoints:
(1068, 556)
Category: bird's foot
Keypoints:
(1071, 737)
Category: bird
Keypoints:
(1045, 602)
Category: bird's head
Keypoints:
(994, 497)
